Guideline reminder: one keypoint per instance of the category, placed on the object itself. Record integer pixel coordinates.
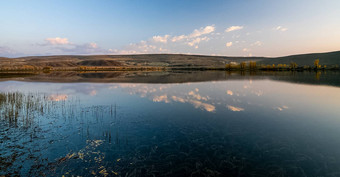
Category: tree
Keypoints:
(316, 63)
(243, 65)
(269, 67)
(228, 66)
(293, 65)
(252, 65)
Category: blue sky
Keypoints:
(214, 27)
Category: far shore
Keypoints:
(171, 62)
(150, 69)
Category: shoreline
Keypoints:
(150, 69)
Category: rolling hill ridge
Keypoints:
(162, 60)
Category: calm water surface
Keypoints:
(216, 128)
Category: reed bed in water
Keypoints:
(22, 133)
(31, 122)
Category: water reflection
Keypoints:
(233, 108)
(190, 94)
(55, 97)
(218, 128)
(306, 77)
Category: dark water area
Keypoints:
(245, 126)
(326, 77)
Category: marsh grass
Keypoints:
(32, 122)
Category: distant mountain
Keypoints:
(163, 60)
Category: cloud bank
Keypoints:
(203, 40)
(233, 28)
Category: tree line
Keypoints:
(279, 67)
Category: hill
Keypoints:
(330, 58)
(161, 60)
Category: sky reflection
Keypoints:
(105, 126)
(236, 96)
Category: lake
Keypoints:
(222, 125)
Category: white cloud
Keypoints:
(74, 49)
(202, 31)
(162, 50)
(93, 45)
(233, 28)
(197, 41)
(257, 43)
(229, 44)
(142, 47)
(8, 52)
(196, 33)
(162, 39)
(280, 28)
(236, 36)
(159, 44)
(64, 46)
(178, 38)
(156, 44)
(245, 50)
(122, 52)
(57, 41)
